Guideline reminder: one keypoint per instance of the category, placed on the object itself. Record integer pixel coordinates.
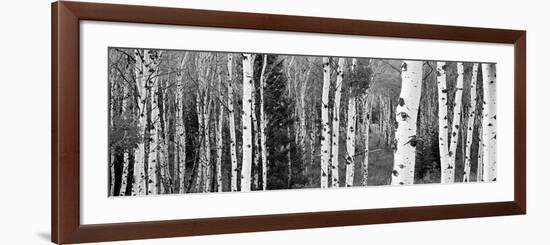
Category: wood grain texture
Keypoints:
(66, 17)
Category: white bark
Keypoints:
(246, 122)
(489, 122)
(155, 153)
(325, 134)
(231, 116)
(366, 134)
(479, 173)
(219, 142)
(471, 119)
(406, 115)
(141, 76)
(443, 119)
(263, 125)
(449, 171)
(350, 142)
(336, 123)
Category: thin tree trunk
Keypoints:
(325, 137)
(489, 122)
(219, 142)
(140, 79)
(443, 119)
(406, 114)
(263, 122)
(350, 142)
(470, 130)
(457, 116)
(246, 122)
(480, 157)
(231, 116)
(336, 123)
(366, 134)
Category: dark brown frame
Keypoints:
(66, 227)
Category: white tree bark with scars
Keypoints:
(489, 122)
(479, 174)
(449, 171)
(231, 117)
(325, 134)
(155, 153)
(350, 142)
(141, 76)
(246, 122)
(366, 134)
(471, 119)
(443, 119)
(263, 122)
(336, 123)
(219, 140)
(406, 115)
(350, 134)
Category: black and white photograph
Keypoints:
(207, 121)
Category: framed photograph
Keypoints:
(177, 122)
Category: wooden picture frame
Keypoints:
(65, 175)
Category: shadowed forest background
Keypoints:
(187, 122)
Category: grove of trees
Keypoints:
(188, 122)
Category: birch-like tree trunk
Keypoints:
(489, 122)
(231, 117)
(449, 170)
(350, 142)
(263, 123)
(336, 123)
(141, 76)
(350, 134)
(471, 118)
(248, 71)
(155, 131)
(443, 119)
(219, 140)
(325, 134)
(366, 134)
(406, 114)
(479, 174)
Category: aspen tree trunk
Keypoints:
(142, 70)
(489, 122)
(263, 125)
(246, 121)
(350, 135)
(350, 142)
(449, 171)
(325, 134)
(366, 134)
(231, 116)
(155, 131)
(406, 114)
(336, 123)
(479, 173)
(471, 119)
(219, 142)
(443, 120)
(181, 142)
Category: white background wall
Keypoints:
(25, 121)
